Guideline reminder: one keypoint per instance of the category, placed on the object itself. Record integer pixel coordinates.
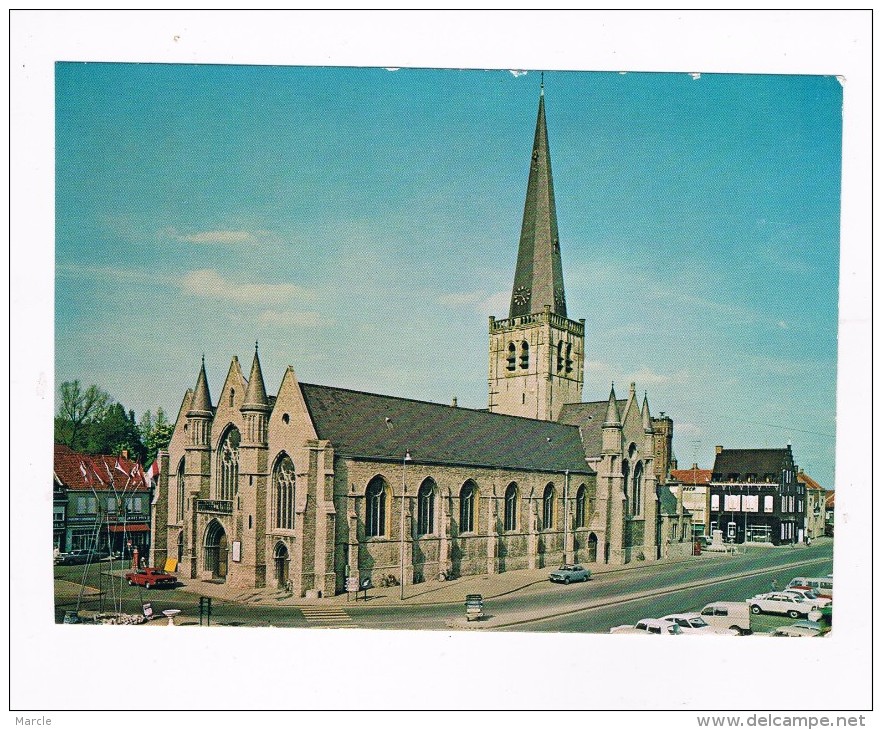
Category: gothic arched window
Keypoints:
(581, 506)
(375, 512)
(284, 483)
(511, 507)
(525, 355)
(637, 507)
(467, 497)
(512, 356)
(179, 507)
(560, 356)
(548, 508)
(228, 462)
(626, 473)
(426, 508)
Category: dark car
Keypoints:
(76, 557)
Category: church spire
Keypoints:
(201, 397)
(612, 410)
(538, 278)
(255, 395)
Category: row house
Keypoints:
(100, 502)
(755, 496)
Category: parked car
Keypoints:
(151, 577)
(693, 623)
(655, 626)
(570, 574)
(782, 603)
(733, 615)
(824, 586)
(808, 594)
(76, 557)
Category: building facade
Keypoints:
(100, 502)
(692, 487)
(756, 497)
(316, 485)
(815, 506)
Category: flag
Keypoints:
(136, 473)
(87, 479)
(119, 467)
(152, 471)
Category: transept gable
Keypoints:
(290, 424)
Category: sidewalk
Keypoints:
(435, 592)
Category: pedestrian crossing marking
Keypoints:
(327, 616)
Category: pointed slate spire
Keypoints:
(644, 412)
(255, 395)
(539, 273)
(201, 403)
(612, 411)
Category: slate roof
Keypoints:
(589, 417)
(371, 426)
(667, 502)
(752, 461)
(67, 471)
(692, 477)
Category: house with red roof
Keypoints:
(101, 502)
(691, 487)
(815, 506)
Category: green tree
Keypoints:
(156, 432)
(114, 433)
(78, 408)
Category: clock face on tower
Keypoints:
(521, 296)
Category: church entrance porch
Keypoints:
(281, 560)
(216, 551)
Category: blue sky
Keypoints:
(363, 223)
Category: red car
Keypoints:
(150, 577)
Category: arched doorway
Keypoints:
(281, 558)
(216, 550)
(592, 548)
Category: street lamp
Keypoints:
(403, 496)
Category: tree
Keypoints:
(114, 433)
(156, 432)
(78, 407)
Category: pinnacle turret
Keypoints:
(255, 395)
(644, 413)
(201, 403)
(538, 279)
(612, 410)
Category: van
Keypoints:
(822, 586)
(728, 615)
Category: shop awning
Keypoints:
(134, 527)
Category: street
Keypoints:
(609, 599)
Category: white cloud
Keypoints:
(297, 319)
(480, 301)
(783, 325)
(219, 236)
(211, 285)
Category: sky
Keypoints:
(362, 224)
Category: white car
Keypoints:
(649, 626)
(783, 603)
(816, 599)
(693, 623)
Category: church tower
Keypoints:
(537, 355)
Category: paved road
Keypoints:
(542, 607)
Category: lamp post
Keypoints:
(403, 497)
(566, 521)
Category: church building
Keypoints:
(313, 485)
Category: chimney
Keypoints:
(453, 404)
(695, 466)
(718, 449)
(125, 453)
